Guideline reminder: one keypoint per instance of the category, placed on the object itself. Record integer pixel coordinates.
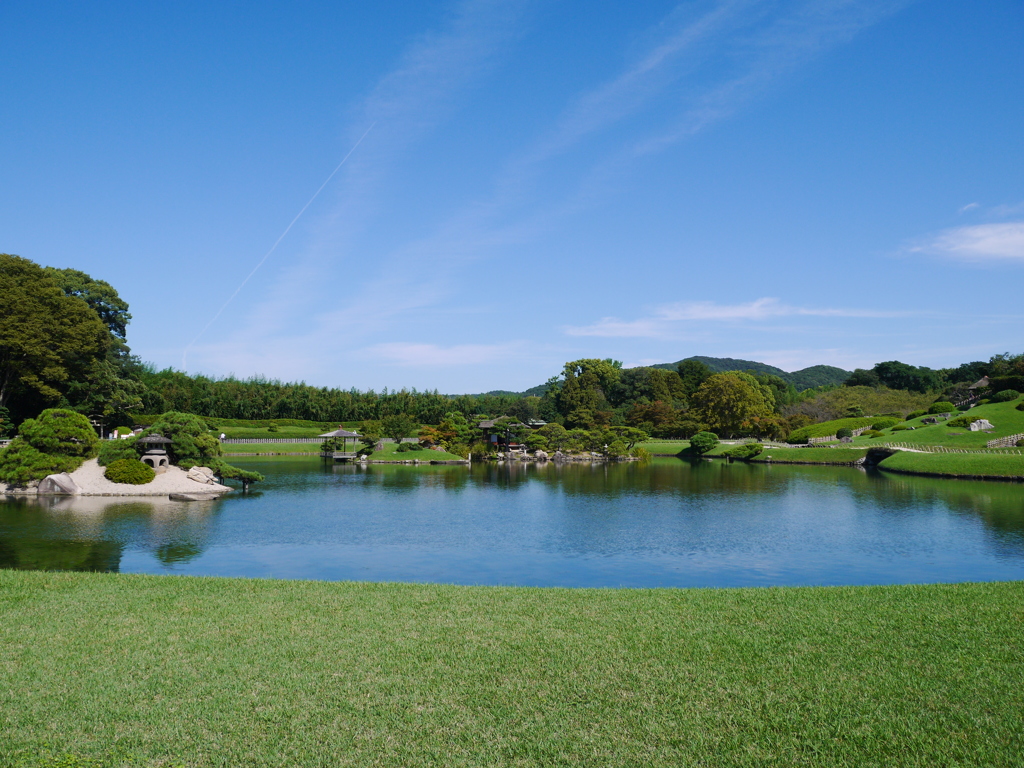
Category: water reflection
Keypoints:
(92, 533)
(666, 522)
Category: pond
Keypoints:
(665, 523)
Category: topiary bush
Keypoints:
(1020, 406)
(191, 445)
(1005, 396)
(115, 450)
(744, 452)
(130, 471)
(844, 432)
(942, 407)
(1019, 444)
(61, 432)
(915, 414)
(58, 440)
(900, 428)
(703, 442)
(983, 401)
(872, 433)
(20, 463)
(885, 422)
(962, 421)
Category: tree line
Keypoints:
(63, 343)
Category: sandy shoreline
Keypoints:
(90, 479)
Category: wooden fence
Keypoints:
(947, 449)
(1005, 442)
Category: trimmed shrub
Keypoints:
(115, 450)
(900, 428)
(745, 451)
(191, 445)
(885, 422)
(1019, 444)
(61, 432)
(1020, 406)
(20, 463)
(703, 442)
(123, 431)
(1005, 396)
(983, 401)
(915, 414)
(872, 433)
(58, 440)
(962, 421)
(942, 407)
(131, 471)
(844, 432)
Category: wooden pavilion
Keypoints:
(344, 454)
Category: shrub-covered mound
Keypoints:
(703, 442)
(1005, 396)
(58, 440)
(744, 452)
(826, 428)
(962, 422)
(131, 471)
(942, 407)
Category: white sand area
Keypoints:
(90, 479)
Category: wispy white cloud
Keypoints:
(969, 207)
(1000, 242)
(433, 355)
(671, 320)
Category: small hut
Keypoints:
(156, 451)
(345, 436)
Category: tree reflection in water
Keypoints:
(61, 533)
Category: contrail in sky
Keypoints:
(184, 355)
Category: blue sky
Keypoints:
(791, 181)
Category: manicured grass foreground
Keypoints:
(957, 464)
(159, 671)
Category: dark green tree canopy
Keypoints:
(46, 336)
(98, 294)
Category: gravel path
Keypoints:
(90, 479)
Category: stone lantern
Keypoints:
(156, 451)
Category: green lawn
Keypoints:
(1005, 417)
(812, 455)
(957, 464)
(240, 448)
(665, 447)
(165, 671)
(390, 453)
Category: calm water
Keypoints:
(670, 523)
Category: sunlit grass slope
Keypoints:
(149, 670)
(957, 464)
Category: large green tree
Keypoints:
(98, 294)
(46, 336)
(726, 401)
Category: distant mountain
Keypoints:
(806, 378)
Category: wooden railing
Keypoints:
(1005, 442)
